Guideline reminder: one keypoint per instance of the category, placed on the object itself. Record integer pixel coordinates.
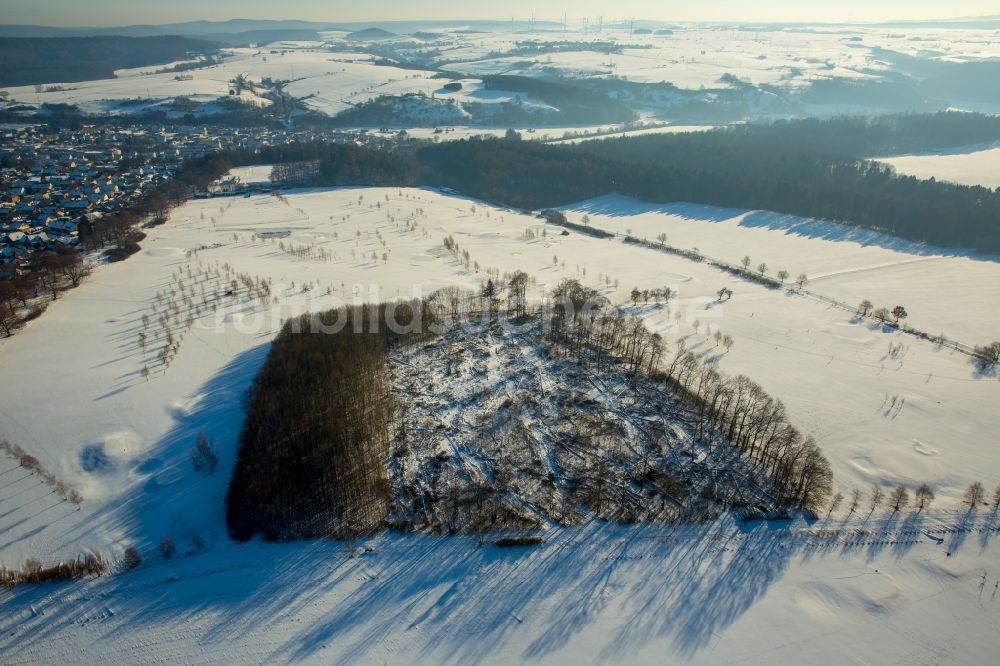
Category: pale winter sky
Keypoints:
(126, 12)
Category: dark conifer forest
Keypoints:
(26, 61)
(809, 168)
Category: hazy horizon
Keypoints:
(110, 13)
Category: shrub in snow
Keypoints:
(514, 541)
(167, 547)
(988, 356)
(203, 455)
(131, 559)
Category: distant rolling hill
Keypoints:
(370, 35)
(41, 60)
(188, 29)
(225, 30)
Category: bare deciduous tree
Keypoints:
(8, 318)
(877, 496)
(974, 494)
(899, 498)
(131, 559)
(923, 497)
(855, 500)
(988, 356)
(835, 502)
(518, 287)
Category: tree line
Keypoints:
(48, 272)
(313, 453)
(40, 60)
(729, 411)
(793, 167)
(855, 137)
(716, 168)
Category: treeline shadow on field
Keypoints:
(674, 585)
(621, 207)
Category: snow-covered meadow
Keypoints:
(886, 408)
(253, 175)
(336, 74)
(974, 165)
(333, 81)
(687, 58)
(327, 81)
(696, 56)
(836, 373)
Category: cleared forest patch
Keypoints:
(499, 431)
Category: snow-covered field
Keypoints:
(684, 61)
(548, 134)
(874, 590)
(253, 174)
(710, 594)
(976, 165)
(613, 133)
(335, 79)
(329, 82)
(691, 57)
(205, 85)
(847, 263)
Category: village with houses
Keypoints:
(55, 184)
(73, 198)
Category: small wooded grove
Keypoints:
(314, 448)
(314, 453)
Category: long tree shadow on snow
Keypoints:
(166, 498)
(816, 229)
(682, 586)
(175, 500)
(446, 596)
(616, 206)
